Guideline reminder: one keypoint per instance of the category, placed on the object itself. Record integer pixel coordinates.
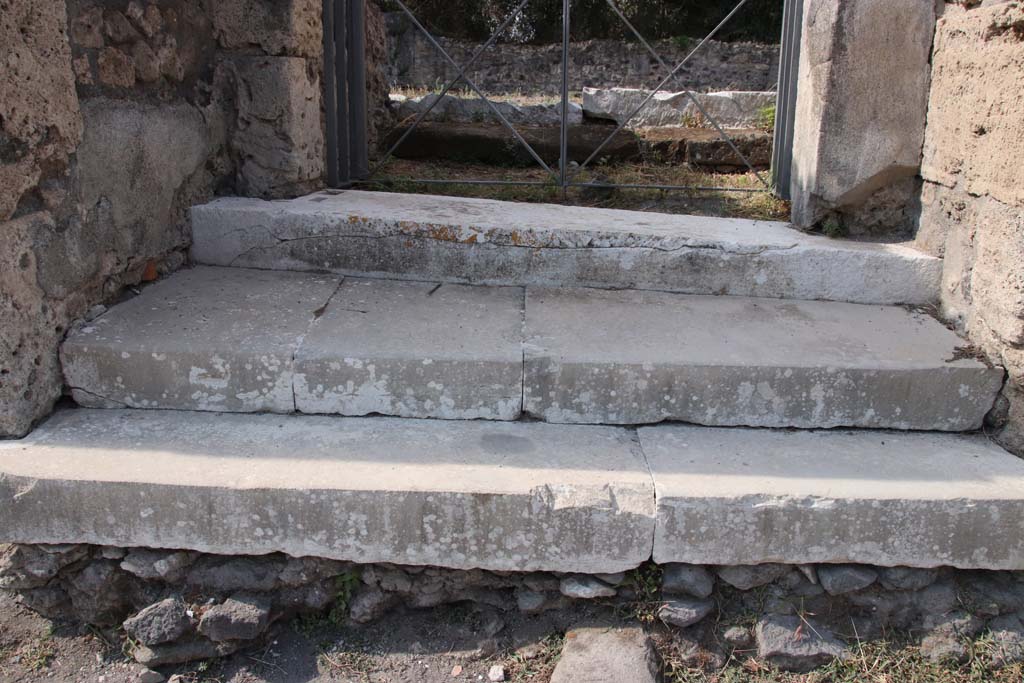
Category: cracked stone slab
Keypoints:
(633, 357)
(492, 495)
(506, 243)
(219, 339)
(862, 497)
(415, 349)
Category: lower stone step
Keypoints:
(237, 340)
(510, 496)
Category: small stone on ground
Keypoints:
(795, 644)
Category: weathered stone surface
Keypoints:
(240, 617)
(746, 577)
(26, 567)
(278, 132)
(685, 579)
(477, 240)
(39, 117)
(414, 349)
(730, 109)
(182, 652)
(370, 604)
(683, 612)
(495, 144)
(281, 28)
(607, 655)
(975, 128)
(853, 137)
(206, 339)
(230, 574)
(585, 588)
(845, 578)
(629, 357)
(162, 622)
(834, 497)
(1007, 640)
(906, 578)
(948, 635)
(793, 645)
(169, 566)
(567, 499)
(457, 109)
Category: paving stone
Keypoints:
(633, 357)
(576, 499)
(795, 644)
(482, 241)
(861, 497)
(414, 349)
(217, 339)
(607, 655)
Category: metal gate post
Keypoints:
(785, 108)
(358, 147)
(563, 159)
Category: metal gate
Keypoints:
(345, 94)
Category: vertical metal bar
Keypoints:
(563, 158)
(341, 84)
(358, 148)
(330, 95)
(785, 107)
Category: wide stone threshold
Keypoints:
(483, 241)
(511, 496)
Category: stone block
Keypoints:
(290, 28)
(975, 114)
(414, 349)
(607, 655)
(627, 357)
(914, 500)
(458, 494)
(854, 136)
(730, 109)
(279, 133)
(482, 241)
(206, 339)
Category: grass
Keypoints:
(518, 669)
(754, 205)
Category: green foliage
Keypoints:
(833, 227)
(766, 118)
(344, 587)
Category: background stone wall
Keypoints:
(115, 117)
(536, 69)
(973, 196)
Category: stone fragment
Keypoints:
(50, 601)
(794, 644)
(496, 674)
(300, 571)
(370, 604)
(615, 579)
(147, 65)
(729, 109)
(992, 593)
(453, 109)
(31, 566)
(148, 19)
(150, 676)
(906, 578)
(845, 578)
(87, 28)
(938, 598)
(693, 654)
(162, 622)
(115, 68)
(683, 613)
(1007, 640)
(745, 577)
(687, 579)
(585, 588)
(948, 634)
(240, 617)
(164, 565)
(607, 655)
(183, 652)
(99, 593)
(738, 636)
(118, 28)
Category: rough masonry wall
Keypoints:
(115, 117)
(973, 196)
(512, 68)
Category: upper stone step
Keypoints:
(239, 340)
(450, 239)
(511, 496)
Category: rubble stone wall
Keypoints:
(973, 198)
(179, 606)
(115, 117)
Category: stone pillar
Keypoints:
(860, 115)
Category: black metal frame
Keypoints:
(345, 93)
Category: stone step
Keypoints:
(484, 241)
(240, 340)
(510, 496)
